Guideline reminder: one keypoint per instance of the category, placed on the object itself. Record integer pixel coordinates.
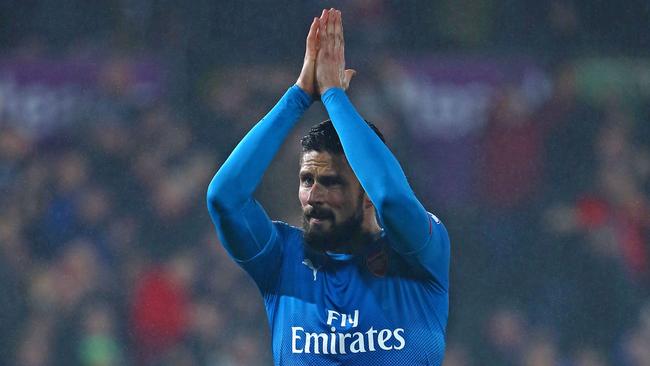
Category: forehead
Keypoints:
(323, 162)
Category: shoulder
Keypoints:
(434, 218)
(436, 227)
(288, 233)
(286, 228)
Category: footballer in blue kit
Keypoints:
(365, 281)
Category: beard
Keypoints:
(339, 236)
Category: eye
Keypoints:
(306, 181)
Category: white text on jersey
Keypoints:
(335, 342)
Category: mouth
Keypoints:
(317, 217)
(317, 221)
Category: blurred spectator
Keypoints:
(13, 307)
(505, 339)
(589, 356)
(634, 346)
(541, 351)
(60, 221)
(608, 264)
(204, 342)
(160, 309)
(564, 34)
(511, 162)
(456, 355)
(34, 348)
(512, 153)
(572, 126)
(98, 344)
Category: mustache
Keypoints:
(318, 213)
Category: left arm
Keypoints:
(411, 231)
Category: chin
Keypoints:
(323, 228)
(330, 235)
(312, 231)
(317, 237)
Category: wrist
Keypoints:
(324, 89)
(326, 84)
(330, 88)
(306, 83)
(304, 96)
(302, 85)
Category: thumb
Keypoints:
(349, 73)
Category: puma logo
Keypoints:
(311, 266)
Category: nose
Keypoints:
(316, 194)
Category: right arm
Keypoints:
(243, 226)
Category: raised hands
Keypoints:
(330, 61)
(324, 64)
(307, 79)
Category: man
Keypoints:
(366, 280)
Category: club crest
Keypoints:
(377, 263)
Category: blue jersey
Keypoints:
(374, 308)
(386, 304)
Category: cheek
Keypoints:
(337, 200)
(303, 195)
(339, 204)
(349, 204)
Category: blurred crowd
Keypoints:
(108, 256)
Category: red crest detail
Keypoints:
(378, 263)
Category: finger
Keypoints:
(341, 38)
(313, 30)
(323, 19)
(322, 28)
(331, 18)
(312, 40)
(349, 74)
(338, 31)
(333, 37)
(342, 32)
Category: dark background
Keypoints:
(523, 125)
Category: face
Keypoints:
(331, 199)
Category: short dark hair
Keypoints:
(323, 137)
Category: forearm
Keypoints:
(419, 237)
(242, 172)
(379, 173)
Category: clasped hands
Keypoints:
(324, 64)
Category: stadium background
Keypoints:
(524, 125)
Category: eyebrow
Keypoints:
(331, 179)
(327, 178)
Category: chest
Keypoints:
(353, 294)
(344, 310)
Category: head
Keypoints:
(337, 213)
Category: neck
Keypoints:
(370, 224)
(370, 231)
(356, 243)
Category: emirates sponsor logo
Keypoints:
(347, 340)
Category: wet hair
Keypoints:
(323, 137)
